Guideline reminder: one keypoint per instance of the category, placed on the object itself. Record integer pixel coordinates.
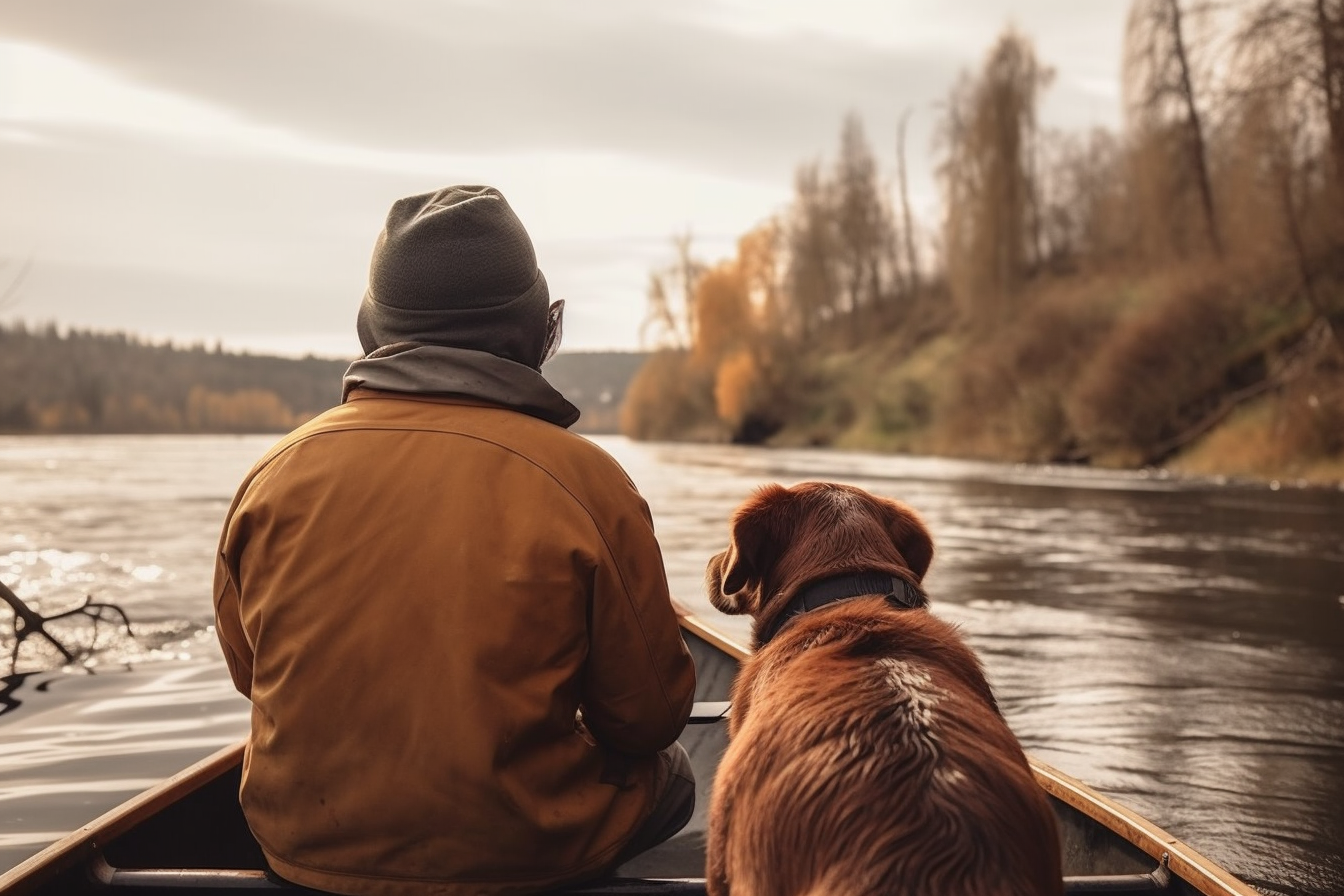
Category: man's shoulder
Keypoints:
(541, 441)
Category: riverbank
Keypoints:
(1208, 372)
(1250, 445)
(862, 401)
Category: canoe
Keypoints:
(187, 835)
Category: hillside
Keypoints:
(1168, 295)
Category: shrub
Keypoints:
(1008, 389)
(1159, 370)
(670, 399)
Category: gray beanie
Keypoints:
(456, 268)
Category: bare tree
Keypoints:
(907, 218)
(1289, 93)
(811, 275)
(1160, 93)
(1083, 215)
(9, 294)
(1330, 28)
(862, 226)
(988, 135)
(1294, 50)
(671, 296)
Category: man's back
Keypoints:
(418, 593)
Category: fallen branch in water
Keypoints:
(28, 622)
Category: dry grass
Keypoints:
(1285, 436)
(671, 399)
(1005, 392)
(1147, 381)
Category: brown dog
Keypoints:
(867, 752)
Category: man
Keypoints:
(450, 613)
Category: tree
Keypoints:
(723, 313)
(759, 258)
(811, 273)
(862, 226)
(10, 291)
(1294, 51)
(671, 304)
(1290, 104)
(989, 139)
(907, 218)
(1083, 217)
(1160, 100)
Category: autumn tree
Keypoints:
(1166, 120)
(812, 276)
(670, 312)
(863, 232)
(1083, 213)
(723, 313)
(988, 135)
(907, 216)
(1288, 94)
(760, 257)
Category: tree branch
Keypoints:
(29, 622)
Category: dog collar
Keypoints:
(898, 592)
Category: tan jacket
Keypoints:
(418, 595)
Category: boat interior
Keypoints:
(188, 836)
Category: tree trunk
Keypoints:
(1196, 129)
(1331, 29)
(907, 219)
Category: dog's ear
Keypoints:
(733, 578)
(910, 536)
(716, 576)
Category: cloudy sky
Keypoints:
(219, 170)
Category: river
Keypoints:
(1178, 644)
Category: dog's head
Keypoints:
(786, 536)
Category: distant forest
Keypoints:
(78, 381)
(1171, 292)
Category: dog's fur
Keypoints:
(867, 752)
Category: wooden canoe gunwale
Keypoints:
(1205, 875)
(85, 844)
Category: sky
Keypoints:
(219, 171)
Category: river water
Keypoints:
(1177, 644)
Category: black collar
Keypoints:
(898, 592)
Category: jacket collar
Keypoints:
(439, 370)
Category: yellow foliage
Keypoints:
(63, 416)
(758, 264)
(722, 314)
(138, 413)
(669, 399)
(246, 409)
(737, 387)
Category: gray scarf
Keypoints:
(439, 370)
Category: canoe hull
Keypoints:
(188, 834)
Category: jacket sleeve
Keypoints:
(229, 624)
(640, 679)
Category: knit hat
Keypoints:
(456, 268)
